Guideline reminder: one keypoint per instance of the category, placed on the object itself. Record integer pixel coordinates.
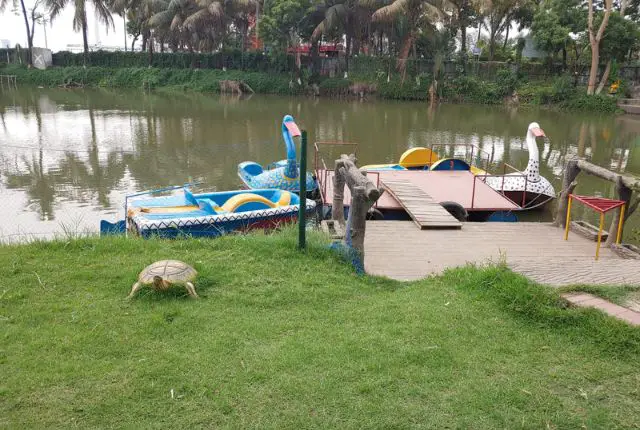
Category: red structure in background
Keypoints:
(253, 43)
(326, 49)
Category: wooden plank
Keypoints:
(423, 209)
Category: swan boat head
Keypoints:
(289, 131)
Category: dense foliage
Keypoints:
(231, 59)
(505, 87)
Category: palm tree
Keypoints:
(212, 17)
(169, 19)
(350, 17)
(413, 13)
(102, 10)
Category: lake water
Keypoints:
(68, 158)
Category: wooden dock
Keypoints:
(398, 250)
(421, 207)
(457, 186)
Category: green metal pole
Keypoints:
(303, 192)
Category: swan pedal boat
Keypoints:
(283, 174)
(527, 186)
(212, 214)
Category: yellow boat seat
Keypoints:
(238, 200)
(417, 157)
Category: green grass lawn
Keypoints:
(280, 340)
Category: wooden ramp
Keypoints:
(423, 209)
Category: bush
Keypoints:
(506, 81)
(594, 103)
(149, 78)
(334, 87)
(409, 90)
(469, 89)
(562, 89)
(232, 59)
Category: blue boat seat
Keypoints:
(208, 205)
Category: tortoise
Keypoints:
(162, 274)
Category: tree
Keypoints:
(102, 11)
(413, 13)
(34, 15)
(553, 25)
(135, 24)
(500, 16)
(548, 32)
(621, 36)
(466, 13)
(285, 20)
(346, 16)
(594, 41)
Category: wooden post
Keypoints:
(356, 226)
(617, 225)
(363, 195)
(339, 181)
(568, 185)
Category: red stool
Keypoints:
(600, 205)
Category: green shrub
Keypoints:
(229, 59)
(506, 82)
(594, 103)
(469, 89)
(562, 89)
(411, 89)
(149, 78)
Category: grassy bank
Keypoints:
(558, 92)
(151, 78)
(283, 340)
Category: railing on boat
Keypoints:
(317, 159)
(471, 160)
(323, 173)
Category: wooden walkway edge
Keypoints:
(423, 209)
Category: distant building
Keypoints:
(5, 44)
(530, 49)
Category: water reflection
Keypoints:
(78, 153)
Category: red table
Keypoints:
(601, 205)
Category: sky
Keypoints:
(60, 33)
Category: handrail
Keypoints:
(487, 161)
(324, 178)
(483, 178)
(318, 143)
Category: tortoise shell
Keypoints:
(172, 271)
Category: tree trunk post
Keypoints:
(337, 211)
(568, 185)
(363, 195)
(356, 226)
(624, 193)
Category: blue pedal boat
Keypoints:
(209, 214)
(283, 174)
